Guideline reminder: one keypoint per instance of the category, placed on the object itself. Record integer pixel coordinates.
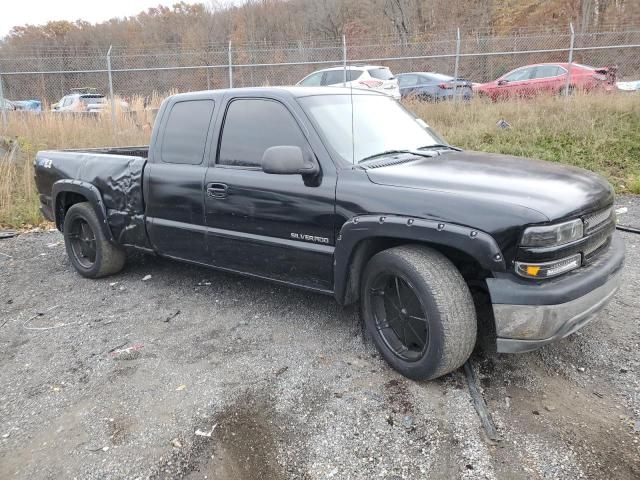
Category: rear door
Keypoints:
(273, 226)
(174, 179)
(548, 79)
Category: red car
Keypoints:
(532, 80)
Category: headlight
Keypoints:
(548, 269)
(552, 235)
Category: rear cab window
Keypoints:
(186, 130)
(382, 73)
(251, 126)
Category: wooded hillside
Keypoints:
(217, 22)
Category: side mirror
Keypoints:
(503, 82)
(287, 160)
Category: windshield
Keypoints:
(380, 124)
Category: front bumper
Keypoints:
(530, 314)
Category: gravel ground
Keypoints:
(198, 374)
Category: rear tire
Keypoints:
(419, 311)
(90, 252)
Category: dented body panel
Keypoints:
(111, 182)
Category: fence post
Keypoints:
(113, 100)
(455, 70)
(2, 109)
(573, 37)
(344, 60)
(230, 67)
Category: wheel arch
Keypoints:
(66, 193)
(473, 252)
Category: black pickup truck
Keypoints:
(346, 193)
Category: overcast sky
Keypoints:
(38, 12)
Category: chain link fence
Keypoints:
(47, 74)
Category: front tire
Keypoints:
(419, 311)
(89, 251)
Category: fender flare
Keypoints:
(87, 190)
(477, 244)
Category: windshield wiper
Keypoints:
(392, 152)
(439, 146)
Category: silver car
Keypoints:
(372, 77)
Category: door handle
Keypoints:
(217, 190)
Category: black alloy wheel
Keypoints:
(83, 242)
(400, 317)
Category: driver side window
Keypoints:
(253, 125)
(518, 75)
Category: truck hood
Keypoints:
(556, 191)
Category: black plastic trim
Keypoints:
(479, 245)
(87, 190)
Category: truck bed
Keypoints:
(115, 172)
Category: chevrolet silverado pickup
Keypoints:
(346, 193)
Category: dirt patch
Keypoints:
(236, 443)
(118, 429)
(244, 443)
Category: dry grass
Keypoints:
(18, 195)
(598, 132)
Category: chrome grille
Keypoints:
(596, 219)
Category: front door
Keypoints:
(273, 226)
(516, 83)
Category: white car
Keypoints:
(372, 77)
(84, 102)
